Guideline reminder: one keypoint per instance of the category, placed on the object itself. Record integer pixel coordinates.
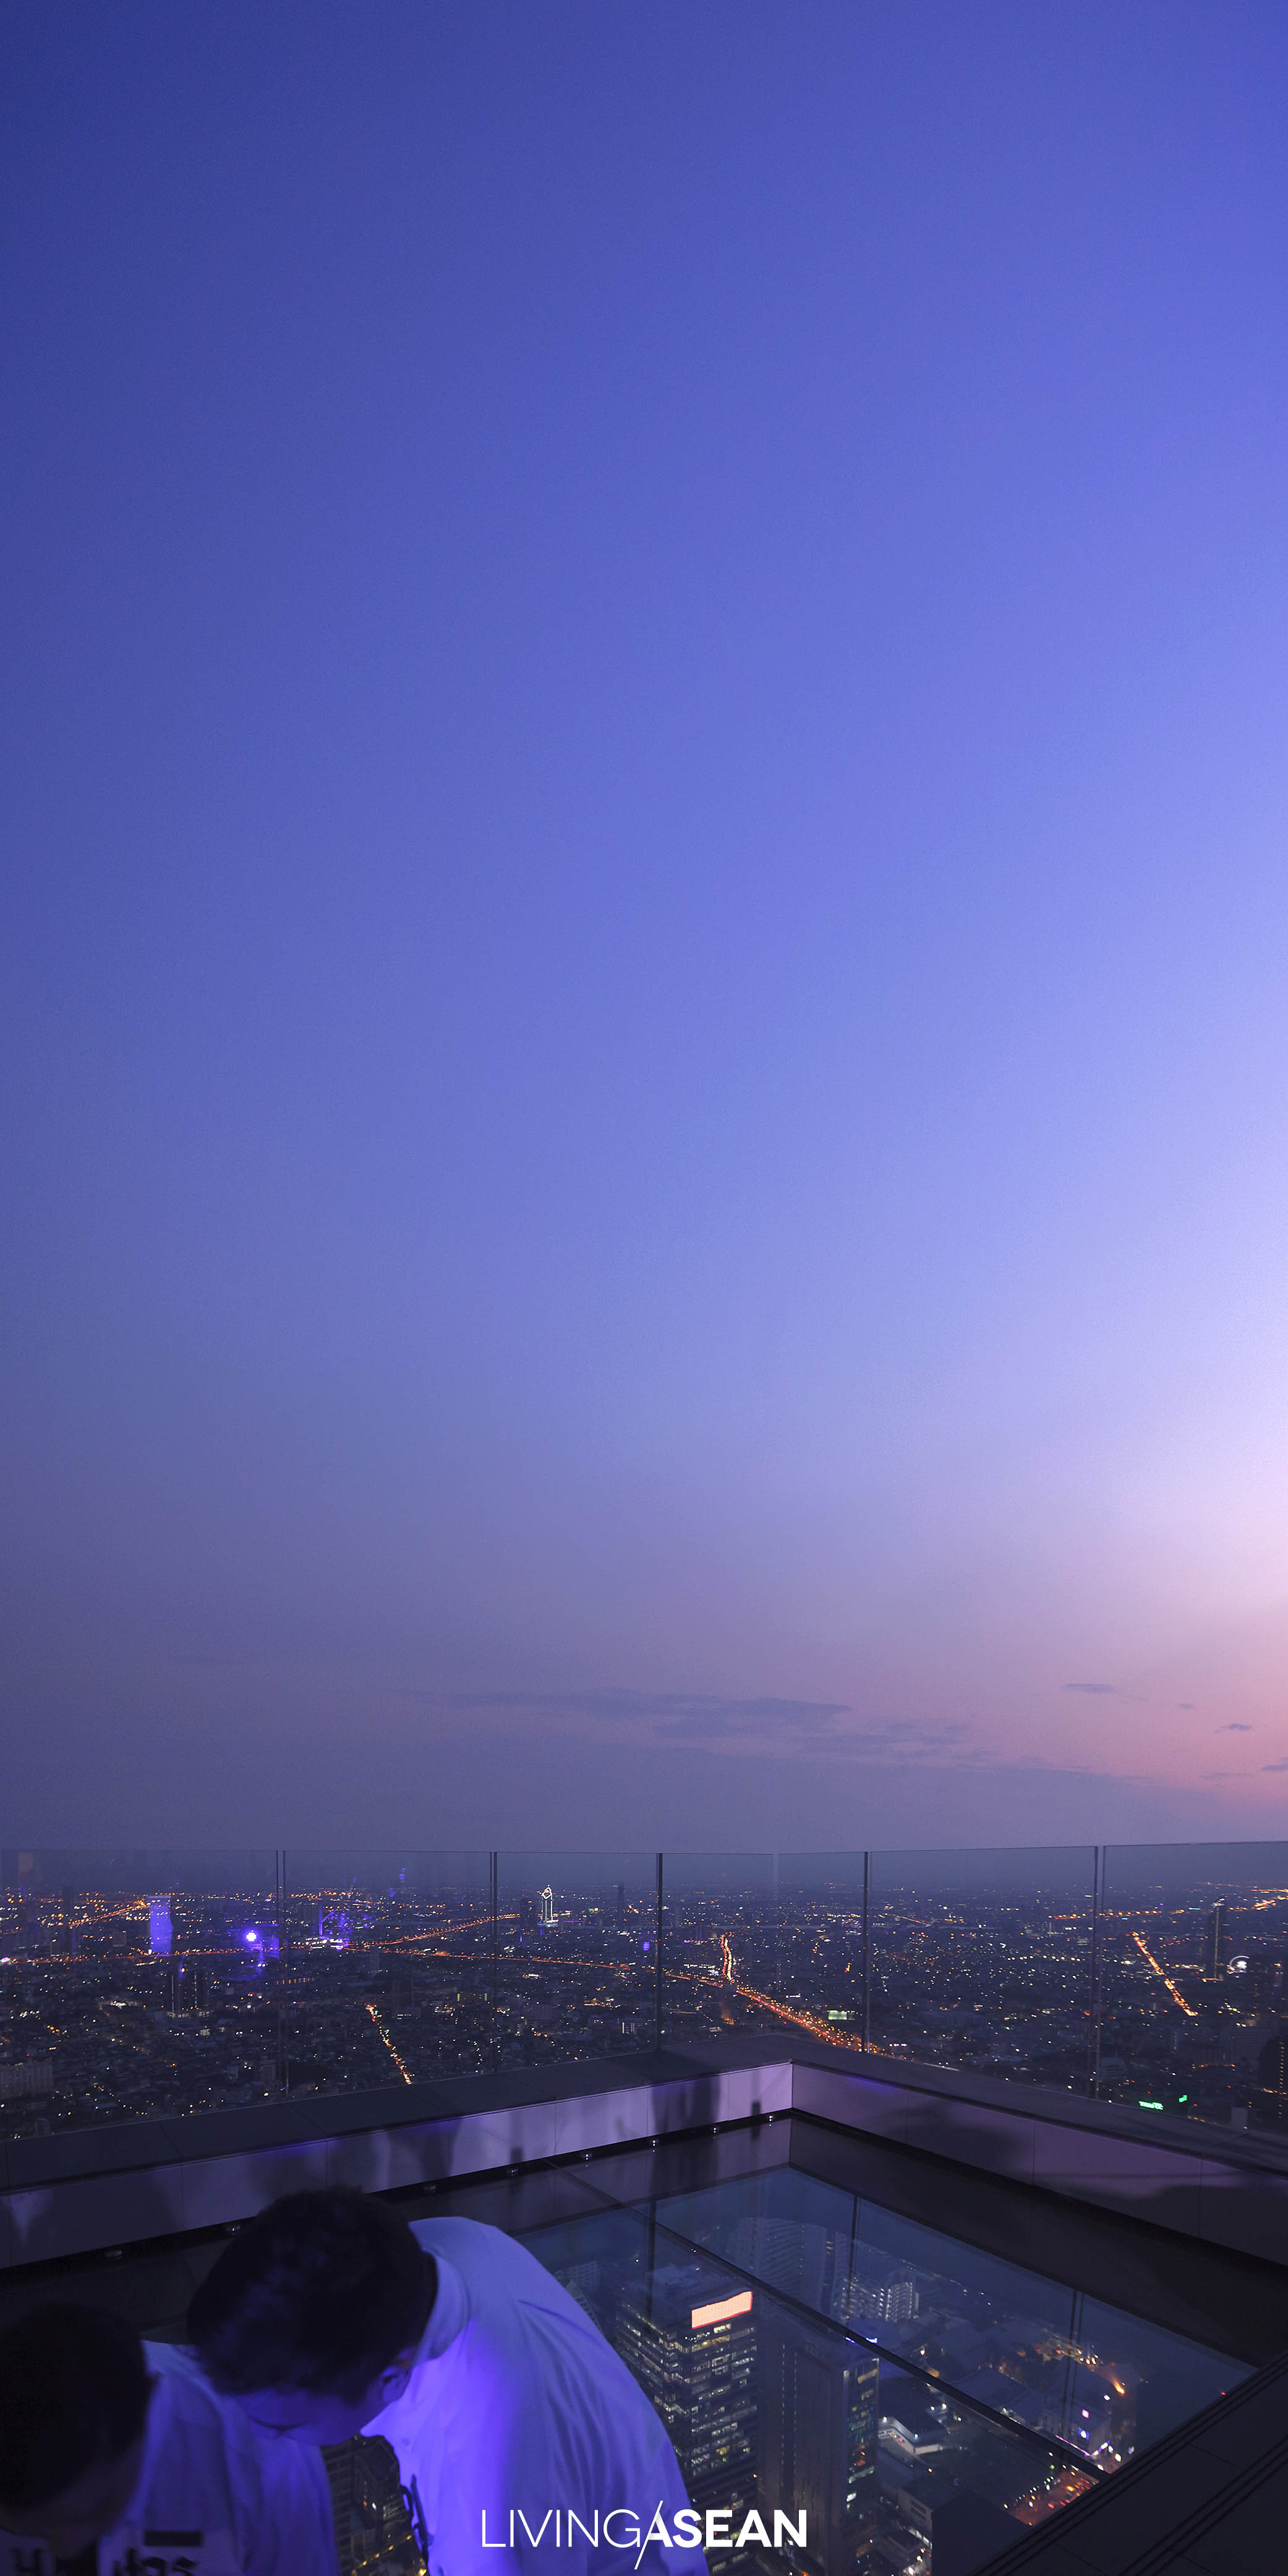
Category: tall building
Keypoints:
(818, 2436)
(1216, 1940)
(695, 2357)
(888, 2294)
(372, 2530)
(621, 1905)
(549, 1918)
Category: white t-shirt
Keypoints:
(213, 2497)
(517, 2405)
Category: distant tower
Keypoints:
(1216, 1945)
(621, 1905)
(549, 1918)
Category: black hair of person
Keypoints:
(320, 2292)
(74, 2386)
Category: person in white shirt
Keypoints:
(523, 2441)
(117, 2459)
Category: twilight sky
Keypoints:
(645, 945)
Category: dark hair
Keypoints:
(318, 2293)
(73, 2393)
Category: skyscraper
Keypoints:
(818, 2435)
(695, 2356)
(1216, 1944)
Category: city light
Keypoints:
(720, 2310)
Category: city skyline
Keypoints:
(643, 1028)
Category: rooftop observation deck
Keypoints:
(1027, 2226)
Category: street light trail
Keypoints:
(384, 2035)
(1160, 1971)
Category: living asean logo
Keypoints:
(687, 2529)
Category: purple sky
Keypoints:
(645, 943)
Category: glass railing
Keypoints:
(157, 1982)
(576, 1955)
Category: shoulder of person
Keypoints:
(203, 2434)
(461, 2235)
(189, 2401)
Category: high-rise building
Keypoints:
(621, 1905)
(694, 2354)
(372, 2530)
(889, 2295)
(549, 1918)
(818, 2436)
(1216, 1941)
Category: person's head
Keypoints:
(312, 2315)
(74, 2390)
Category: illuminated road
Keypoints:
(1160, 1971)
(384, 2035)
(802, 2020)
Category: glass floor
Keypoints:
(831, 2328)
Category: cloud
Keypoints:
(700, 1717)
(1275, 1766)
(1185, 1703)
(1235, 1727)
(1096, 1690)
(672, 1712)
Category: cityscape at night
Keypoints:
(121, 2002)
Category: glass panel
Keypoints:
(1099, 2380)
(577, 1945)
(135, 1983)
(774, 2409)
(720, 1944)
(389, 1968)
(1193, 2012)
(982, 1959)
